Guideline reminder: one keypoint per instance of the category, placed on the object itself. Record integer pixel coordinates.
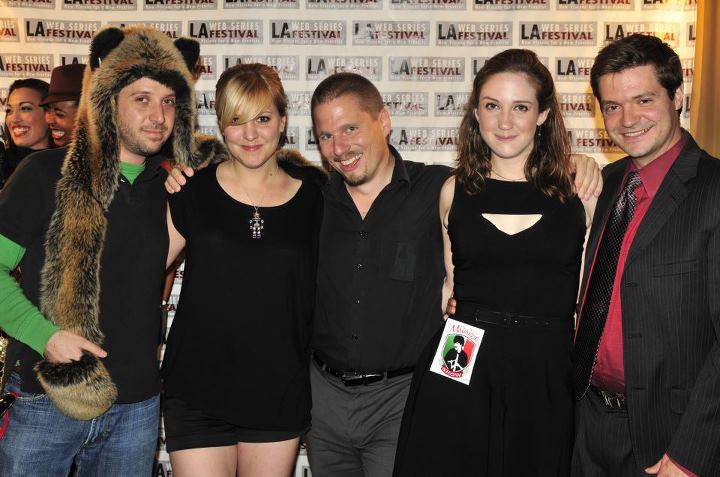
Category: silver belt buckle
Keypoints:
(613, 400)
(353, 378)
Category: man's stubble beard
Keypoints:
(129, 140)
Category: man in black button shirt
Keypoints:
(380, 281)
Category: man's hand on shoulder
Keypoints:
(63, 347)
(176, 178)
(588, 178)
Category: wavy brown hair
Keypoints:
(548, 166)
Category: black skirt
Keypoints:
(514, 419)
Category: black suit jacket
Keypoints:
(670, 292)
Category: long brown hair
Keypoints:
(547, 167)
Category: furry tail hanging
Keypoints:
(82, 389)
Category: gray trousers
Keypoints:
(354, 428)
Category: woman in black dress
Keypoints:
(235, 372)
(514, 235)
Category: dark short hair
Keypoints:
(341, 84)
(459, 339)
(638, 50)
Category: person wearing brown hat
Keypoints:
(62, 102)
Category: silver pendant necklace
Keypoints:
(257, 223)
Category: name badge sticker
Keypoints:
(457, 350)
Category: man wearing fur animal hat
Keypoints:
(87, 226)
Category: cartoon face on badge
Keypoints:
(456, 351)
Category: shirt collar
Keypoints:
(654, 173)
(400, 173)
(152, 167)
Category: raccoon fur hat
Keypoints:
(69, 295)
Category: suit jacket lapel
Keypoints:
(671, 193)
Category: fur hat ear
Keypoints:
(190, 50)
(103, 43)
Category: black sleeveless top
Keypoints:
(533, 272)
(238, 348)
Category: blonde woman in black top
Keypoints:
(235, 373)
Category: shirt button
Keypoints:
(363, 234)
(355, 337)
(357, 301)
(359, 266)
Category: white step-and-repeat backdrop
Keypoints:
(422, 54)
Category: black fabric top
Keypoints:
(242, 326)
(9, 160)
(131, 267)
(533, 272)
(380, 279)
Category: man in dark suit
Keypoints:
(647, 357)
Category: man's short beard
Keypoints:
(355, 182)
(132, 145)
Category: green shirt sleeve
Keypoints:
(19, 318)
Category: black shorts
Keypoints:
(190, 428)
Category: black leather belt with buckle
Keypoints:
(355, 378)
(611, 399)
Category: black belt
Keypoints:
(354, 378)
(470, 311)
(611, 399)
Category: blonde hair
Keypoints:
(244, 91)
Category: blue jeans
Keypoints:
(40, 441)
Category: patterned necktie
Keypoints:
(597, 298)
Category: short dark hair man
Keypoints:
(646, 350)
(380, 277)
(87, 226)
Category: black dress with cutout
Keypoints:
(515, 418)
